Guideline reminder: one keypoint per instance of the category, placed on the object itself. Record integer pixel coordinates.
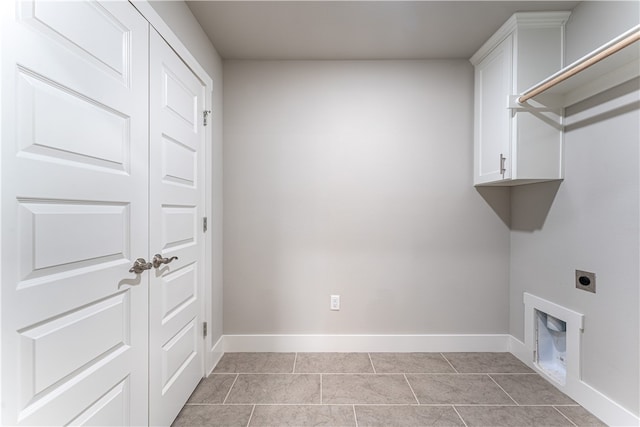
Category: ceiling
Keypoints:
(272, 30)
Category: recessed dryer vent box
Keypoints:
(553, 334)
(551, 343)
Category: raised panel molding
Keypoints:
(61, 125)
(179, 163)
(179, 289)
(111, 51)
(177, 353)
(180, 100)
(179, 224)
(113, 405)
(59, 236)
(92, 332)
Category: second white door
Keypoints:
(176, 206)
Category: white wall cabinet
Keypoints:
(522, 148)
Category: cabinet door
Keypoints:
(74, 213)
(492, 151)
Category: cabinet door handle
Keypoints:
(502, 168)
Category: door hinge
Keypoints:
(204, 329)
(205, 114)
(205, 226)
(535, 344)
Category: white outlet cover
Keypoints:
(335, 302)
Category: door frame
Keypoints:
(206, 310)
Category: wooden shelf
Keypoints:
(611, 64)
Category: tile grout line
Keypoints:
(459, 416)
(411, 388)
(452, 367)
(381, 374)
(355, 415)
(559, 405)
(321, 389)
(295, 359)
(251, 415)
(229, 392)
(505, 391)
(506, 373)
(372, 365)
(568, 419)
(487, 405)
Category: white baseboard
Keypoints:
(215, 354)
(591, 399)
(366, 343)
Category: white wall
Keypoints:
(592, 223)
(178, 16)
(354, 178)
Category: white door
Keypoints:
(176, 344)
(74, 213)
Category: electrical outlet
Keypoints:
(335, 302)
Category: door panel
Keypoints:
(60, 236)
(111, 407)
(74, 213)
(51, 362)
(109, 51)
(176, 362)
(50, 115)
(179, 163)
(179, 288)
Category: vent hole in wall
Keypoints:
(551, 346)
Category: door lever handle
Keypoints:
(140, 265)
(158, 260)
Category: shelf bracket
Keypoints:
(538, 110)
(531, 106)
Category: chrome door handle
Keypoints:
(158, 260)
(140, 265)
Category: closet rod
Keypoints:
(582, 64)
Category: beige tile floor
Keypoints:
(378, 389)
